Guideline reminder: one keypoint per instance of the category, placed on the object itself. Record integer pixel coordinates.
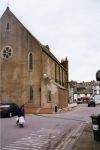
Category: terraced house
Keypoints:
(29, 72)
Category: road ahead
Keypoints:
(44, 131)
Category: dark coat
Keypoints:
(22, 110)
(19, 112)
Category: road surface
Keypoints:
(45, 132)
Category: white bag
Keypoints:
(21, 120)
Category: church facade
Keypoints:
(29, 72)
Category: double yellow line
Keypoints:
(72, 135)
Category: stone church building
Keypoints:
(29, 72)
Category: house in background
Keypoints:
(96, 88)
(83, 90)
(29, 72)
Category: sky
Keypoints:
(71, 28)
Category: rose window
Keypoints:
(7, 52)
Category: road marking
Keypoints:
(49, 131)
(68, 139)
(14, 147)
(35, 141)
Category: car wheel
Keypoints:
(10, 114)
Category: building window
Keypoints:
(6, 52)
(55, 72)
(49, 96)
(30, 61)
(59, 76)
(31, 94)
(62, 78)
(7, 27)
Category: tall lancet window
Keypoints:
(30, 61)
(31, 94)
(7, 27)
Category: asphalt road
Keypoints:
(43, 132)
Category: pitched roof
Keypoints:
(45, 48)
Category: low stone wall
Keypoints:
(39, 110)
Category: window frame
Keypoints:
(49, 96)
(31, 94)
(6, 52)
(30, 61)
(7, 27)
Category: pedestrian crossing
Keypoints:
(39, 140)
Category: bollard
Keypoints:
(56, 108)
(96, 126)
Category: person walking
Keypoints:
(22, 110)
(20, 114)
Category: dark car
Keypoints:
(79, 101)
(8, 109)
(91, 103)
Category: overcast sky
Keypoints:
(70, 27)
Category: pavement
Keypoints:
(86, 140)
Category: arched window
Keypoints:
(49, 96)
(31, 94)
(7, 27)
(30, 61)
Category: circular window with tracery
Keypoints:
(6, 52)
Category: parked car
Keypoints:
(91, 103)
(79, 101)
(8, 109)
